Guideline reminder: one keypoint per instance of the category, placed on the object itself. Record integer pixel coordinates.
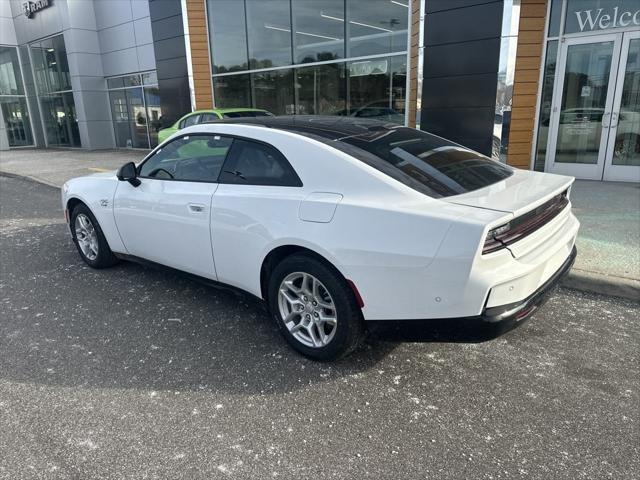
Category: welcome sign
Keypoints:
(603, 15)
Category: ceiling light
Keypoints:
(355, 23)
(400, 3)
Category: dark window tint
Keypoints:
(252, 163)
(190, 158)
(208, 117)
(430, 164)
(190, 120)
(246, 114)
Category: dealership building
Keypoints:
(550, 85)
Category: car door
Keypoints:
(166, 219)
(258, 200)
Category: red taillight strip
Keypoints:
(528, 223)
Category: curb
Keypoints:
(4, 173)
(603, 284)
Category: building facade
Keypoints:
(551, 85)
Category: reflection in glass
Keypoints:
(376, 26)
(554, 18)
(321, 90)
(60, 119)
(273, 91)
(269, 32)
(16, 120)
(154, 113)
(10, 79)
(583, 100)
(377, 89)
(545, 105)
(50, 65)
(227, 35)
(317, 35)
(232, 91)
(627, 146)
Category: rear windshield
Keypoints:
(245, 114)
(425, 162)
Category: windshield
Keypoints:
(425, 162)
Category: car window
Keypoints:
(189, 158)
(190, 120)
(246, 114)
(425, 162)
(208, 117)
(252, 163)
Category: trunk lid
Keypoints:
(518, 194)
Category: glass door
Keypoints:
(582, 106)
(622, 161)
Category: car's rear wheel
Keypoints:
(89, 239)
(314, 307)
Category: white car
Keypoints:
(335, 223)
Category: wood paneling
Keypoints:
(200, 61)
(526, 81)
(412, 95)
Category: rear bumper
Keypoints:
(520, 310)
(493, 321)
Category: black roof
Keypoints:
(328, 127)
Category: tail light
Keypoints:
(493, 241)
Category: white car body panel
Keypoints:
(409, 255)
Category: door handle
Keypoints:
(614, 119)
(605, 124)
(196, 207)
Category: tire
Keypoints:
(318, 326)
(82, 221)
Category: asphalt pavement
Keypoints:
(139, 373)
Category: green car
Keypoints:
(203, 116)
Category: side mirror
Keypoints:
(128, 173)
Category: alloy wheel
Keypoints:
(86, 236)
(307, 309)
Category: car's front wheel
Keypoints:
(315, 308)
(89, 239)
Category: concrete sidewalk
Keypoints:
(608, 244)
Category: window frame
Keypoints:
(157, 149)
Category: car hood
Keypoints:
(111, 173)
(517, 194)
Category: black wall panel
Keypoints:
(460, 76)
(171, 59)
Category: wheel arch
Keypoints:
(279, 253)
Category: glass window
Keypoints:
(154, 113)
(321, 90)
(150, 78)
(117, 82)
(50, 65)
(376, 27)
(627, 146)
(269, 33)
(247, 114)
(594, 15)
(252, 163)
(232, 91)
(554, 18)
(377, 89)
(60, 119)
(10, 79)
(16, 120)
(208, 117)
(190, 120)
(273, 91)
(227, 35)
(544, 120)
(318, 36)
(120, 116)
(190, 158)
(427, 163)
